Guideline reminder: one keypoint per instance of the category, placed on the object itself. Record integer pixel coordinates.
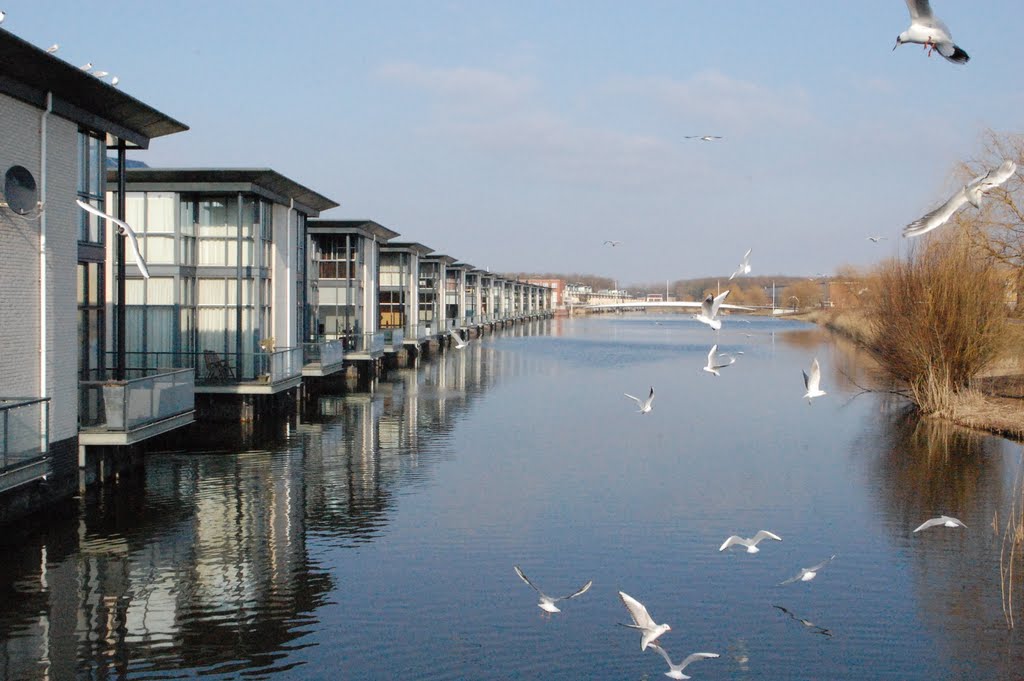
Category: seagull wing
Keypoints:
(664, 654)
(820, 565)
(693, 657)
(706, 306)
(635, 399)
(717, 302)
(955, 520)
(579, 592)
(637, 611)
(812, 381)
(920, 10)
(937, 217)
(931, 522)
(765, 534)
(996, 177)
(711, 355)
(731, 360)
(125, 229)
(792, 579)
(734, 539)
(526, 579)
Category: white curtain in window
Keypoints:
(160, 209)
(211, 291)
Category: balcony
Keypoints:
(24, 440)
(393, 340)
(238, 373)
(364, 346)
(121, 413)
(322, 358)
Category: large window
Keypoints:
(92, 159)
(152, 216)
(91, 322)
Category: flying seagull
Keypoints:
(971, 193)
(703, 138)
(124, 229)
(675, 671)
(944, 520)
(612, 243)
(744, 267)
(547, 603)
(807, 574)
(807, 623)
(812, 382)
(645, 405)
(642, 621)
(928, 30)
(709, 309)
(460, 343)
(52, 48)
(876, 239)
(751, 543)
(715, 363)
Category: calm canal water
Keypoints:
(374, 537)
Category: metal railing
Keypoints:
(364, 342)
(136, 402)
(326, 352)
(394, 337)
(215, 368)
(24, 430)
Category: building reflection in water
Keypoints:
(202, 561)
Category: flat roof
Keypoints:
(367, 227)
(446, 259)
(263, 181)
(407, 246)
(28, 73)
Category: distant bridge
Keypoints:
(643, 304)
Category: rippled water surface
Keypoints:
(372, 536)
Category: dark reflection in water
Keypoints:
(372, 534)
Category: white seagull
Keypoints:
(709, 309)
(971, 193)
(928, 30)
(751, 543)
(675, 671)
(744, 267)
(642, 621)
(124, 229)
(459, 342)
(547, 603)
(876, 239)
(715, 363)
(645, 405)
(812, 382)
(944, 520)
(703, 138)
(3, 15)
(100, 74)
(86, 67)
(114, 81)
(52, 48)
(807, 574)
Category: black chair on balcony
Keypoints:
(217, 370)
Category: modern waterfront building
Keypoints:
(232, 287)
(433, 293)
(59, 123)
(347, 307)
(400, 294)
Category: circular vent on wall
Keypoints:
(20, 192)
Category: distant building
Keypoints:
(557, 287)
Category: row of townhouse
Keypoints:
(247, 292)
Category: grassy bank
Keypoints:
(993, 402)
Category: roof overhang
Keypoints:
(367, 228)
(29, 73)
(407, 247)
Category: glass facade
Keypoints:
(92, 176)
(91, 270)
(340, 288)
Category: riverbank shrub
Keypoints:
(940, 319)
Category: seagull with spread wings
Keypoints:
(675, 671)
(709, 310)
(642, 621)
(970, 193)
(124, 229)
(645, 405)
(547, 603)
(928, 30)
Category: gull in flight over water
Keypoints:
(744, 267)
(715, 362)
(547, 603)
(675, 671)
(645, 405)
(460, 343)
(812, 382)
(703, 138)
(876, 239)
(642, 621)
(807, 623)
(124, 229)
(751, 543)
(807, 574)
(928, 30)
(971, 193)
(612, 243)
(709, 309)
(944, 520)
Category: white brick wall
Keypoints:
(19, 268)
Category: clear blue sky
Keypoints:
(520, 134)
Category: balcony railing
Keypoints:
(214, 368)
(326, 352)
(372, 343)
(394, 337)
(24, 431)
(124, 406)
